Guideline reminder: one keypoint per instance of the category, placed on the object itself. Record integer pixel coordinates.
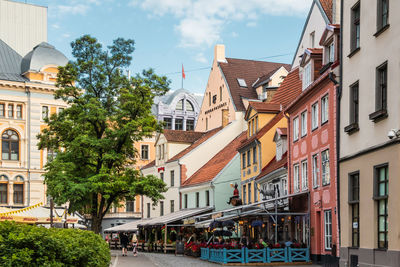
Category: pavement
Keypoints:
(164, 260)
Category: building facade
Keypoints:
(369, 155)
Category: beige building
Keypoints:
(369, 148)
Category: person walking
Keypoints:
(123, 239)
(134, 245)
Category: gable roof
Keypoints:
(263, 107)
(248, 70)
(180, 136)
(290, 88)
(214, 166)
(273, 165)
(281, 131)
(151, 164)
(10, 64)
(265, 78)
(204, 137)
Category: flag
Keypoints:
(183, 72)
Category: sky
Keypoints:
(172, 33)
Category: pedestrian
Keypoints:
(134, 245)
(123, 239)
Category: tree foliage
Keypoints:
(108, 113)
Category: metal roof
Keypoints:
(10, 64)
(127, 227)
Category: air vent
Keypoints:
(242, 82)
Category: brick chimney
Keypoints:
(219, 53)
(225, 117)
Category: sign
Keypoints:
(189, 221)
(216, 215)
(215, 108)
(161, 169)
(355, 225)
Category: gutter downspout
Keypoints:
(288, 151)
(28, 93)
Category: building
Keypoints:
(26, 99)
(232, 84)
(369, 156)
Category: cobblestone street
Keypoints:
(163, 260)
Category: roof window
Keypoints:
(242, 82)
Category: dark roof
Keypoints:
(209, 170)
(10, 64)
(204, 137)
(261, 107)
(290, 88)
(327, 6)
(273, 165)
(248, 70)
(182, 136)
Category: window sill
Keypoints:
(381, 249)
(354, 247)
(312, 130)
(325, 122)
(352, 53)
(379, 197)
(325, 185)
(351, 202)
(352, 128)
(378, 115)
(295, 141)
(303, 135)
(381, 30)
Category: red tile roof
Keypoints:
(282, 131)
(182, 136)
(209, 170)
(151, 164)
(261, 107)
(248, 70)
(327, 5)
(204, 137)
(315, 50)
(290, 88)
(273, 165)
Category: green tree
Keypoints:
(108, 112)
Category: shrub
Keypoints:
(25, 245)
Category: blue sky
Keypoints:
(169, 33)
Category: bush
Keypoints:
(25, 245)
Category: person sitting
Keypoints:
(235, 194)
(262, 242)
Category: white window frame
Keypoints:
(315, 170)
(304, 123)
(284, 187)
(331, 55)
(304, 175)
(296, 178)
(295, 128)
(328, 229)
(325, 167)
(314, 116)
(307, 75)
(324, 109)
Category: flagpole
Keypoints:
(182, 76)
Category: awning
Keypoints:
(127, 227)
(175, 216)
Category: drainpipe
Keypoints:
(28, 126)
(288, 151)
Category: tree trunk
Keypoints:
(96, 223)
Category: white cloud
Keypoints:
(74, 7)
(251, 24)
(201, 58)
(201, 22)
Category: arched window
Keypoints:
(179, 106)
(189, 106)
(10, 145)
(18, 190)
(3, 189)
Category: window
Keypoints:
(220, 93)
(144, 151)
(18, 190)
(172, 178)
(331, 52)
(304, 176)
(248, 158)
(243, 160)
(197, 199)
(295, 129)
(256, 124)
(304, 123)
(179, 105)
(190, 125)
(10, 145)
(383, 14)
(307, 75)
(244, 194)
(354, 198)
(255, 193)
(168, 123)
(381, 87)
(355, 27)
(324, 109)
(314, 116)
(284, 187)
(242, 82)
(130, 206)
(178, 124)
(19, 112)
(60, 110)
(51, 155)
(209, 98)
(2, 110)
(10, 110)
(45, 112)
(3, 189)
(328, 229)
(185, 201)
(148, 210)
(206, 124)
(207, 198)
(172, 206)
(249, 193)
(354, 103)
(162, 176)
(161, 208)
(315, 170)
(381, 193)
(254, 155)
(326, 178)
(312, 39)
(296, 177)
(189, 106)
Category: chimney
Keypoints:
(225, 117)
(219, 53)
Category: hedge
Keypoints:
(26, 245)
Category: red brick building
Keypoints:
(312, 145)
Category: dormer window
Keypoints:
(331, 52)
(306, 75)
(242, 82)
